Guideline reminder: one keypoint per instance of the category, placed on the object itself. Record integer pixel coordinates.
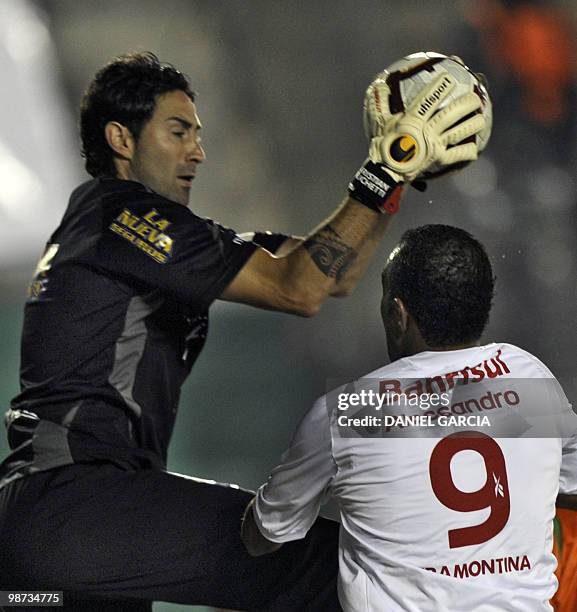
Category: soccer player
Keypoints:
(117, 314)
(436, 516)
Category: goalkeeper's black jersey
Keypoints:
(116, 315)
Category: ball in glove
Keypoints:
(427, 114)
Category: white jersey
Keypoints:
(432, 517)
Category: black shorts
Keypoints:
(117, 540)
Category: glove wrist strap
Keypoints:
(374, 187)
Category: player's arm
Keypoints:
(333, 257)
(286, 506)
(282, 245)
(254, 541)
(567, 497)
(275, 243)
(301, 280)
(349, 278)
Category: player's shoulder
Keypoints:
(117, 194)
(132, 205)
(519, 363)
(329, 402)
(522, 362)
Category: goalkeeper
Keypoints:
(116, 316)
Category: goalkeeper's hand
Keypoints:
(408, 143)
(404, 145)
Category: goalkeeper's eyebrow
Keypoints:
(185, 124)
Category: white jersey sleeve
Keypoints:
(568, 474)
(288, 503)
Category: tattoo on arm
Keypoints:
(330, 253)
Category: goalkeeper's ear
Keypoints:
(120, 139)
(123, 145)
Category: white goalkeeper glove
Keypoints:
(404, 145)
(408, 143)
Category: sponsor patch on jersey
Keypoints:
(146, 233)
(39, 283)
(472, 569)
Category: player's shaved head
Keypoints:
(125, 91)
(444, 279)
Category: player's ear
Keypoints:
(119, 139)
(401, 315)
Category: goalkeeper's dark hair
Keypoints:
(125, 90)
(444, 277)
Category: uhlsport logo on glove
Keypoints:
(426, 105)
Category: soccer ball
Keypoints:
(405, 78)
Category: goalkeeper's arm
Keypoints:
(300, 281)
(348, 280)
(333, 257)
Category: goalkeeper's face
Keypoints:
(168, 150)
